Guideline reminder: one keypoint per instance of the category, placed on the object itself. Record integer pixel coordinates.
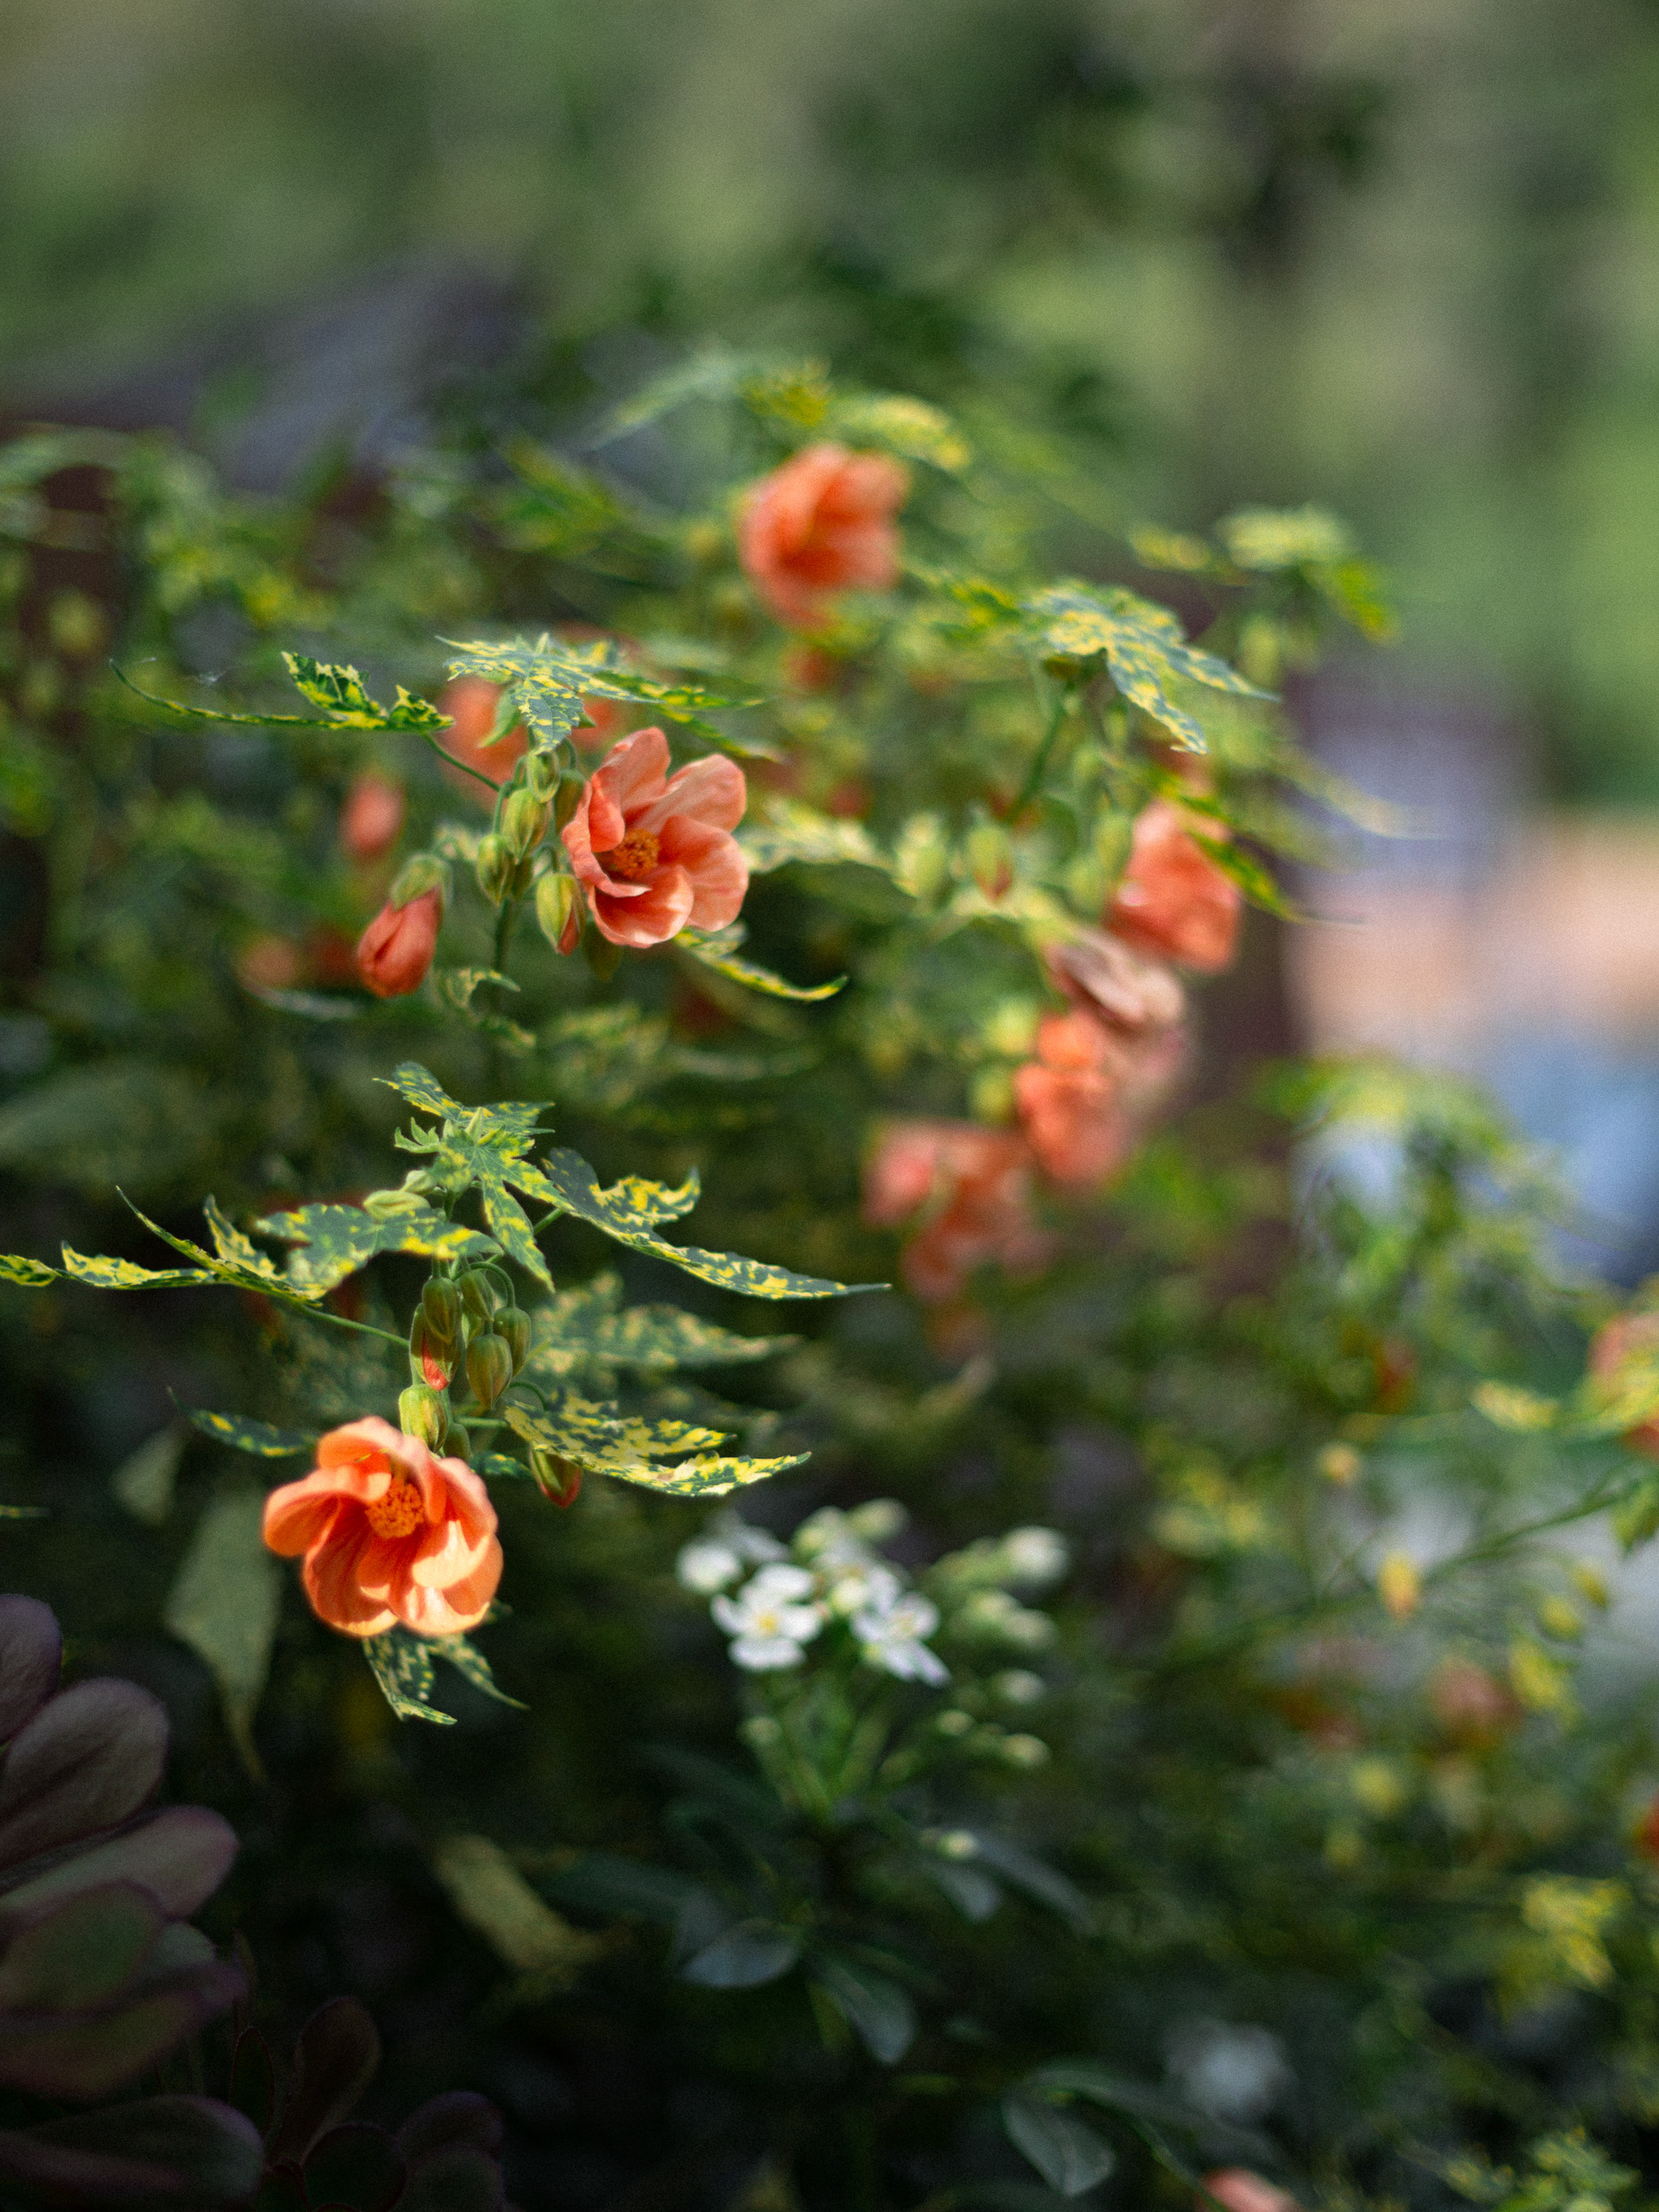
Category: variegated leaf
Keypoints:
(591, 1323)
(628, 1211)
(27, 1274)
(242, 1435)
(108, 1274)
(790, 831)
(403, 1666)
(720, 953)
(336, 1240)
(605, 1441)
(337, 689)
(550, 681)
(1142, 645)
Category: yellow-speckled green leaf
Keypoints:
(591, 1323)
(627, 1211)
(605, 1441)
(234, 1250)
(1269, 540)
(336, 1240)
(337, 689)
(1142, 645)
(790, 831)
(107, 1274)
(255, 1272)
(27, 1274)
(258, 1438)
(466, 1660)
(900, 424)
(457, 987)
(422, 1088)
(550, 679)
(509, 1224)
(720, 953)
(404, 1669)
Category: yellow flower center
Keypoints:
(634, 857)
(399, 1513)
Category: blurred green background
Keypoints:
(1399, 256)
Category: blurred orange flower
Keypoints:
(973, 1186)
(389, 1533)
(1629, 1340)
(396, 950)
(1241, 2191)
(372, 818)
(1173, 899)
(654, 852)
(470, 702)
(822, 523)
(1069, 1099)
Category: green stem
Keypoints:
(465, 767)
(1039, 766)
(321, 1313)
(505, 921)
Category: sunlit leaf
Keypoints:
(1142, 645)
(711, 952)
(591, 1323)
(335, 1241)
(240, 1434)
(27, 1274)
(550, 679)
(603, 1439)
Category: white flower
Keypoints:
(1035, 1557)
(859, 1589)
(830, 1539)
(997, 1618)
(715, 1559)
(766, 1621)
(891, 1637)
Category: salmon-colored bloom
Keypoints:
(396, 950)
(470, 702)
(1070, 1099)
(1241, 2191)
(822, 523)
(372, 816)
(972, 1188)
(390, 1533)
(1173, 899)
(1629, 1340)
(654, 852)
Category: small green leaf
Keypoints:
(403, 1666)
(1509, 1406)
(241, 1434)
(1142, 645)
(422, 1088)
(603, 1439)
(143, 1482)
(224, 1604)
(753, 1953)
(455, 988)
(491, 1896)
(590, 1323)
(1069, 2156)
(713, 952)
(550, 679)
(908, 427)
(335, 687)
(791, 832)
(335, 1241)
(877, 2010)
(107, 1274)
(27, 1274)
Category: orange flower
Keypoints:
(470, 702)
(973, 1186)
(1084, 1100)
(655, 852)
(1630, 1339)
(822, 523)
(395, 951)
(1241, 2191)
(390, 1533)
(372, 818)
(1173, 899)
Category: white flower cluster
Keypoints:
(773, 1599)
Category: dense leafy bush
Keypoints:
(793, 838)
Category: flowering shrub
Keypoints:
(796, 828)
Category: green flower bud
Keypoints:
(458, 1444)
(523, 820)
(559, 911)
(560, 1479)
(496, 867)
(422, 872)
(488, 1366)
(423, 1413)
(477, 1298)
(991, 858)
(569, 798)
(542, 775)
(440, 1302)
(431, 1357)
(513, 1324)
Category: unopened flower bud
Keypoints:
(523, 820)
(488, 1366)
(512, 1325)
(458, 1444)
(496, 867)
(542, 775)
(568, 799)
(924, 859)
(559, 911)
(560, 1479)
(991, 858)
(440, 1302)
(424, 1412)
(477, 1297)
(422, 872)
(431, 1359)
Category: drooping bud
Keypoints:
(568, 798)
(422, 872)
(513, 1324)
(560, 1479)
(559, 911)
(542, 775)
(496, 866)
(431, 1359)
(440, 1302)
(476, 1297)
(991, 858)
(458, 1444)
(523, 820)
(488, 1366)
(423, 1413)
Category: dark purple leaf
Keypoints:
(253, 2078)
(180, 1855)
(94, 2055)
(462, 2117)
(88, 1760)
(161, 2151)
(31, 1652)
(356, 2165)
(458, 2178)
(335, 2060)
(81, 1953)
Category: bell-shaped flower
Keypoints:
(654, 852)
